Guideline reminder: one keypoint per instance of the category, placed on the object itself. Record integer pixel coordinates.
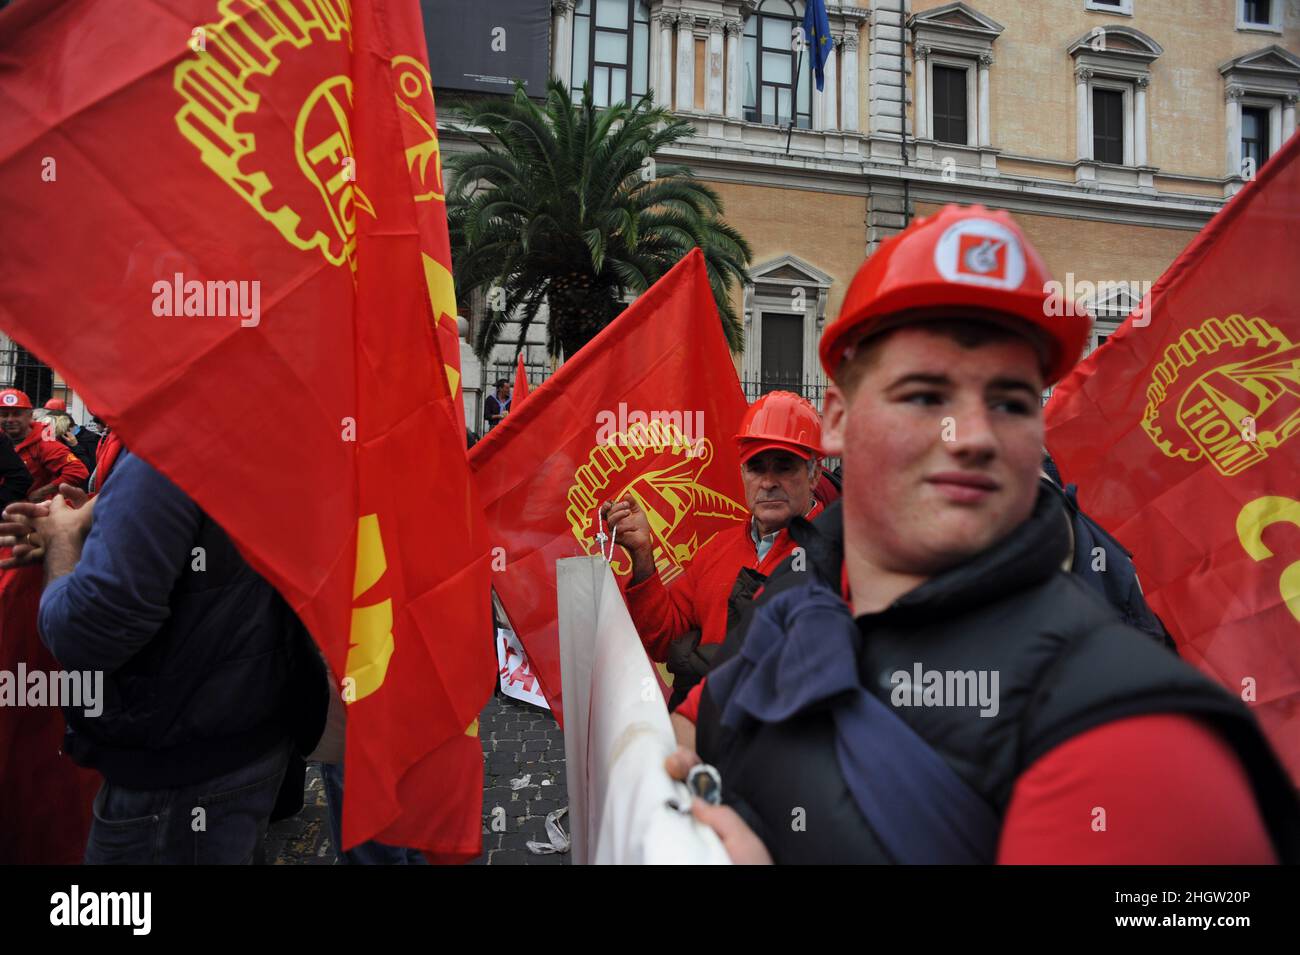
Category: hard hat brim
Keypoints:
(750, 447)
(1059, 347)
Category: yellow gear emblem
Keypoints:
(371, 638)
(667, 495)
(1232, 412)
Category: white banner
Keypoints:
(617, 734)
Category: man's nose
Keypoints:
(970, 436)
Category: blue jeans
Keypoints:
(220, 821)
(367, 853)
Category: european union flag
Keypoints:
(817, 33)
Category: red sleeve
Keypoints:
(105, 455)
(1149, 790)
(63, 464)
(662, 614)
(690, 707)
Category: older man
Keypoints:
(779, 441)
(49, 462)
(934, 688)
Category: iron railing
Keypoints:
(811, 387)
(20, 369)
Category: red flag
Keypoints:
(226, 229)
(45, 798)
(648, 407)
(521, 384)
(1181, 433)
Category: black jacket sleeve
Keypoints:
(15, 481)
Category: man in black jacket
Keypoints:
(923, 682)
(497, 405)
(210, 679)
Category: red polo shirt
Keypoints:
(698, 598)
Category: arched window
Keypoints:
(770, 62)
(611, 49)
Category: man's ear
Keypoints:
(834, 407)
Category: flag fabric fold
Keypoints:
(817, 34)
(1181, 434)
(521, 383)
(649, 407)
(228, 233)
(45, 798)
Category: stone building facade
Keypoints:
(1112, 129)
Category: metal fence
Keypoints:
(812, 388)
(20, 369)
(493, 373)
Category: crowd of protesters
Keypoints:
(830, 635)
(946, 544)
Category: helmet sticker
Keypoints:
(980, 252)
(11, 399)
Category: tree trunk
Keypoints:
(579, 309)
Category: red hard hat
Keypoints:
(13, 398)
(56, 404)
(959, 262)
(781, 420)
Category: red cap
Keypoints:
(13, 398)
(959, 262)
(780, 420)
(56, 404)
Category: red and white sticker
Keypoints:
(980, 252)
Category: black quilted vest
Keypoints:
(1066, 664)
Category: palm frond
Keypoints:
(554, 204)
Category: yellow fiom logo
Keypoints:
(1231, 387)
(668, 494)
(322, 144)
(222, 83)
(423, 156)
(414, 94)
(371, 639)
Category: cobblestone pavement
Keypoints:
(305, 838)
(518, 740)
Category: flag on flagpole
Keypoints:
(1183, 436)
(817, 34)
(633, 412)
(521, 384)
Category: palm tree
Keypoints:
(565, 205)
